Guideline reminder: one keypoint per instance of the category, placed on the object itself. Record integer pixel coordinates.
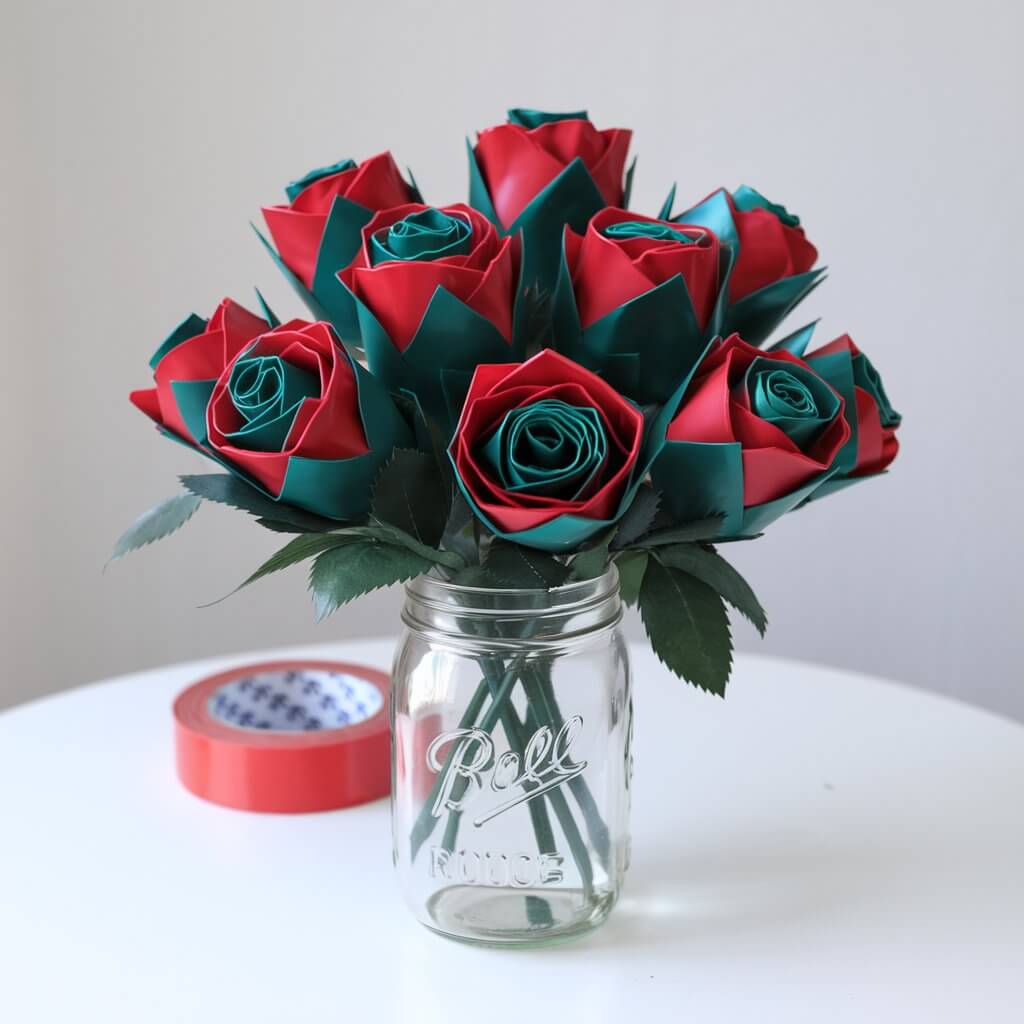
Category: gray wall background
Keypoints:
(139, 139)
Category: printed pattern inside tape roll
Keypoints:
(296, 700)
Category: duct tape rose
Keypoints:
(541, 171)
(871, 417)
(436, 292)
(547, 454)
(754, 434)
(638, 300)
(771, 258)
(285, 408)
(319, 231)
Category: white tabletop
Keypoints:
(821, 847)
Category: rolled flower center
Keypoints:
(294, 188)
(647, 229)
(267, 391)
(792, 399)
(426, 235)
(549, 448)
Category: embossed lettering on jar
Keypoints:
(512, 719)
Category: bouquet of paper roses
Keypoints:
(514, 397)
(518, 391)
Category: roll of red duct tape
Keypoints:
(285, 736)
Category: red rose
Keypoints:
(772, 245)
(292, 393)
(788, 421)
(518, 162)
(410, 251)
(196, 351)
(546, 452)
(297, 228)
(624, 255)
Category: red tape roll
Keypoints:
(285, 736)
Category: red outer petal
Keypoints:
(377, 184)
(609, 171)
(769, 251)
(297, 239)
(515, 167)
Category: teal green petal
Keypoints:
(294, 188)
(188, 328)
(525, 117)
(867, 377)
(192, 397)
(715, 214)
(836, 369)
(747, 198)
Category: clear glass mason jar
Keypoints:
(511, 720)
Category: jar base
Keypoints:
(515, 918)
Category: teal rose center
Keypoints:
(550, 448)
(646, 229)
(793, 399)
(427, 235)
(267, 392)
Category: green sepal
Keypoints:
(797, 342)
(450, 342)
(757, 315)
(665, 213)
(273, 320)
(627, 184)
(643, 348)
(700, 480)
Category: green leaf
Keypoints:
(688, 626)
(638, 517)
(459, 535)
(158, 522)
(592, 562)
(711, 568)
(230, 490)
(347, 572)
(410, 493)
(399, 538)
(475, 576)
(524, 568)
(306, 545)
(699, 529)
(631, 565)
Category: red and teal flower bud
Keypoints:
(319, 230)
(771, 262)
(548, 454)
(435, 292)
(541, 171)
(871, 417)
(753, 436)
(285, 408)
(638, 300)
